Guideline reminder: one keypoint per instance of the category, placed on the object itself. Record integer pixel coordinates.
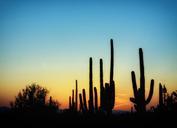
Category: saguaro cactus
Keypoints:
(76, 103)
(96, 99)
(112, 61)
(160, 95)
(73, 103)
(139, 94)
(101, 86)
(112, 84)
(81, 103)
(70, 105)
(90, 86)
(107, 93)
(84, 99)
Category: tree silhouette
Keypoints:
(33, 99)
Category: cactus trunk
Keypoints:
(84, 99)
(96, 99)
(112, 61)
(160, 95)
(81, 103)
(73, 99)
(101, 85)
(70, 105)
(76, 103)
(90, 86)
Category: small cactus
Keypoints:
(76, 103)
(96, 99)
(162, 97)
(70, 105)
(73, 103)
(81, 103)
(84, 100)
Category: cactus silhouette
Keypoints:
(101, 86)
(96, 99)
(76, 103)
(70, 104)
(107, 93)
(162, 94)
(162, 97)
(90, 86)
(81, 103)
(112, 61)
(167, 101)
(84, 100)
(73, 103)
(139, 94)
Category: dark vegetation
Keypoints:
(32, 108)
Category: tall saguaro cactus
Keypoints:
(101, 85)
(111, 83)
(90, 86)
(139, 94)
(112, 61)
(107, 93)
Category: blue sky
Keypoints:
(60, 36)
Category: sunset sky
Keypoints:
(49, 42)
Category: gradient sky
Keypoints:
(50, 42)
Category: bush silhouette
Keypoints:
(33, 99)
(167, 101)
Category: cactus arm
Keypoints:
(101, 83)
(142, 77)
(90, 86)
(70, 106)
(135, 91)
(112, 61)
(133, 100)
(81, 103)
(76, 94)
(160, 94)
(150, 92)
(96, 99)
(73, 99)
(84, 99)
